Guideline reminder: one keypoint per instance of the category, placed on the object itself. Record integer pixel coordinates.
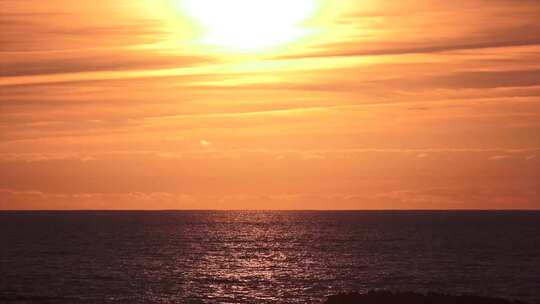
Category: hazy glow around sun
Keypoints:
(247, 25)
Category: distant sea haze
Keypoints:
(264, 257)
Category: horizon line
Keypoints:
(271, 210)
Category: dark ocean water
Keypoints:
(264, 257)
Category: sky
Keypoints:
(298, 104)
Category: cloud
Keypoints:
(40, 38)
(205, 144)
(347, 50)
(427, 27)
(37, 200)
(229, 172)
(80, 61)
(419, 198)
(490, 79)
(463, 197)
(35, 26)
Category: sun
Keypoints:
(250, 25)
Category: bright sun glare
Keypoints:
(250, 25)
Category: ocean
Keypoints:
(264, 257)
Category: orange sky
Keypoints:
(373, 104)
